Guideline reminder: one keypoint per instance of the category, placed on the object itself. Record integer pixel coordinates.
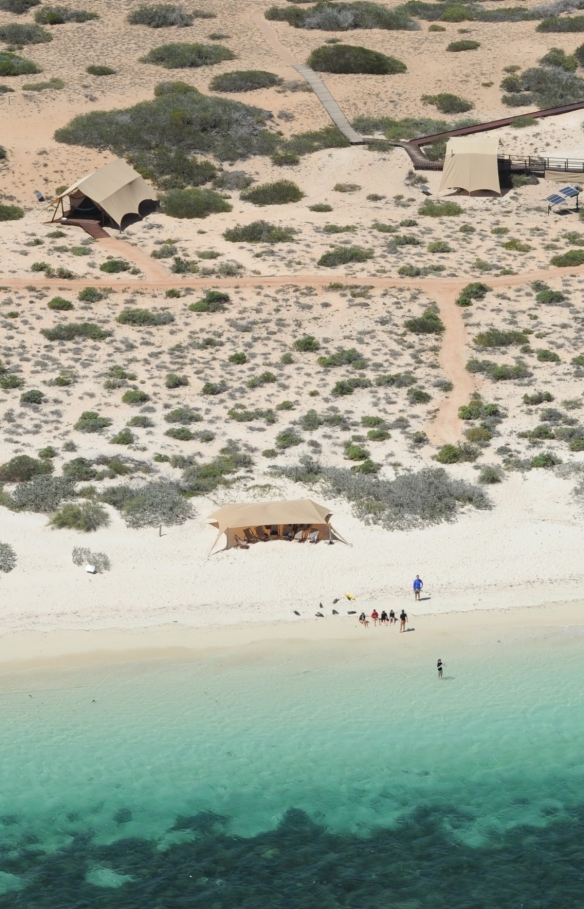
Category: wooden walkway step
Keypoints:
(328, 102)
(93, 228)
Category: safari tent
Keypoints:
(471, 164)
(111, 193)
(262, 521)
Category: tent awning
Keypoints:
(116, 188)
(471, 163)
(258, 514)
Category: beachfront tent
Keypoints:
(234, 520)
(471, 164)
(115, 190)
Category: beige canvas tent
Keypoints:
(276, 520)
(115, 190)
(471, 164)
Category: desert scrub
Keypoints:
(203, 478)
(48, 85)
(538, 397)
(32, 396)
(555, 24)
(81, 557)
(193, 203)
(550, 297)
(311, 421)
(499, 372)
(265, 378)
(456, 454)
(59, 15)
(43, 494)
(476, 409)
(428, 323)
(80, 470)
(320, 207)
(243, 80)
(558, 57)
(140, 422)
(307, 344)
(285, 159)
(123, 437)
(142, 317)
(20, 35)
(238, 358)
(474, 291)
(448, 104)
(433, 209)
(60, 304)
(11, 212)
(344, 357)
(180, 433)
(22, 468)
(348, 58)
(13, 65)
(439, 246)
(517, 245)
(260, 232)
(339, 228)
(7, 558)
(343, 255)
(18, 7)
(465, 44)
(97, 69)
(161, 15)
(90, 421)
(87, 517)
(158, 502)
(497, 337)
(187, 56)
(241, 414)
(547, 459)
(396, 380)
(569, 259)
(347, 386)
(213, 388)
(91, 295)
(213, 301)
(135, 396)
(288, 438)
(547, 356)
(8, 379)
(175, 381)
(183, 415)
(335, 17)
(281, 192)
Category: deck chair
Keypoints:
(241, 544)
(313, 536)
(300, 537)
(249, 535)
(261, 533)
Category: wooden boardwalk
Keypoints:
(329, 103)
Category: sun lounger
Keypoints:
(313, 536)
(262, 534)
(300, 537)
(241, 544)
(249, 535)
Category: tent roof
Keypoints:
(116, 187)
(256, 514)
(473, 145)
(471, 163)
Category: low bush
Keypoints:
(43, 494)
(87, 517)
(418, 396)
(288, 438)
(183, 415)
(115, 266)
(213, 388)
(158, 502)
(538, 397)
(7, 558)
(141, 317)
(320, 207)
(193, 203)
(203, 478)
(545, 86)
(550, 297)
(490, 475)
(433, 209)
(48, 85)
(59, 15)
(174, 381)
(135, 396)
(243, 415)
(343, 255)
(497, 337)
(347, 386)
(285, 159)
(378, 435)
(557, 24)
(187, 56)
(428, 323)
(569, 259)
(91, 295)
(499, 372)
(439, 246)
(456, 454)
(18, 7)
(247, 80)
(474, 291)
(141, 422)
(397, 380)
(307, 344)
(13, 65)
(355, 452)
(180, 433)
(124, 437)
(22, 468)
(547, 356)
(343, 357)
(238, 358)
(71, 331)
(99, 560)
(335, 17)
(558, 57)
(265, 378)
(546, 459)
(8, 380)
(21, 35)
(161, 15)
(10, 212)
(90, 421)
(60, 304)
(32, 396)
(259, 232)
(448, 104)
(517, 245)
(465, 44)
(98, 69)
(213, 301)
(348, 58)
(281, 192)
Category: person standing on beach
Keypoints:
(363, 620)
(417, 585)
(403, 618)
(375, 616)
(440, 667)
(392, 617)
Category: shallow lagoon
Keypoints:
(298, 775)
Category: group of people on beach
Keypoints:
(385, 619)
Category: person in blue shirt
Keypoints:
(418, 584)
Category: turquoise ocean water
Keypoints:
(298, 776)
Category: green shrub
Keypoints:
(285, 159)
(193, 203)
(87, 517)
(343, 357)
(569, 259)
(135, 396)
(288, 438)
(161, 15)
(22, 468)
(100, 70)
(91, 295)
(538, 397)
(33, 396)
(557, 57)
(555, 24)
(546, 460)
(490, 475)
(246, 80)
(307, 344)
(18, 7)
(10, 212)
(474, 291)
(140, 317)
(259, 232)
(265, 378)
(354, 452)
(418, 396)
(70, 331)
(463, 45)
(347, 386)
(499, 372)
(334, 17)
(174, 381)
(59, 303)
(20, 35)
(547, 356)
(115, 266)
(159, 502)
(448, 104)
(320, 207)
(348, 58)
(428, 323)
(183, 415)
(433, 209)
(187, 56)
(455, 454)
(213, 388)
(90, 421)
(238, 358)
(180, 433)
(343, 255)
(479, 434)
(13, 65)
(439, 246)
(50, 84)
(378, 435)
(213, 301)
(42, 495)
(550, 297)
(124, 437)
(281, 192)
(496, 337)
(517, 245)
(59, 15)
(140, 422)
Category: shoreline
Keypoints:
(60, 650)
